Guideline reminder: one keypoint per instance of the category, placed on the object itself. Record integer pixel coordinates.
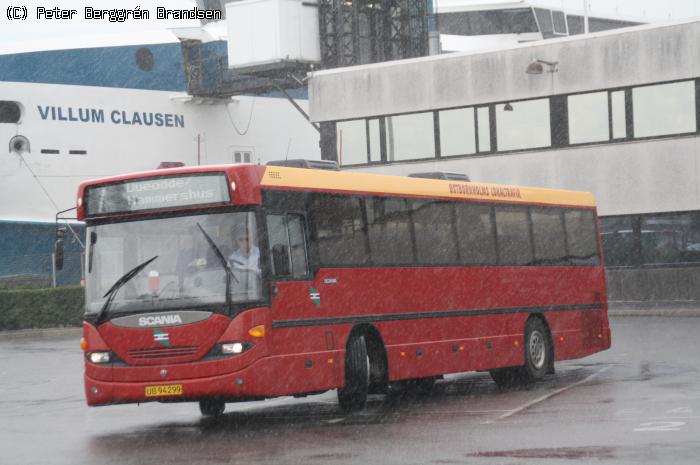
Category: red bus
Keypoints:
(229, 283)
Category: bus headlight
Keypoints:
(235, 348)
(99, 357)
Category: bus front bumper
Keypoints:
(267, 377)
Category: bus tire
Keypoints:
(538, 351)
(353, 395)
(212, 407)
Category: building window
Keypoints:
(619, 236)
(556, 121)
(664, 109)
(484, 128)
(525, 125)
(673, 238)
(619, 114)
(410, 137)
(375, 148)
(457, 132)
(470, 23)
(588, 118)
(559, 23)
(352, 142)
(242, 156)
(652, 239)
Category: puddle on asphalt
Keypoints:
(334, 456)
(592, 452)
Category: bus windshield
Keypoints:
(188, 270)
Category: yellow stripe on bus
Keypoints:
(299, 178)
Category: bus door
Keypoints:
(308, 366)
(289, 266)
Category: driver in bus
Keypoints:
(246, 255)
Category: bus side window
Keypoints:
(287, 245)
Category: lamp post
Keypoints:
(537, 66)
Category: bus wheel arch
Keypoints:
(530, 371)
(362, 378)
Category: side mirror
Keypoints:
(93, 241)
(280, 260)
(58, 253)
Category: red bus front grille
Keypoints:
(164, 352)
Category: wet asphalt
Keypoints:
(637, 403)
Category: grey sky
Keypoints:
(32, 29)
(11, 31)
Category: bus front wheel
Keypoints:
(353, 395)
(212, 407)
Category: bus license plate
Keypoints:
(164, 390)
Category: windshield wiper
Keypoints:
(224, 264)
(118, 284)
(217, 251)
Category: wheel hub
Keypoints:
(536, 347)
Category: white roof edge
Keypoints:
(506, 4)
(448, 56)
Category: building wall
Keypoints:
(617, 58)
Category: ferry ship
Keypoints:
(77, 108)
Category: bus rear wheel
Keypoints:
(538, 351)
(212, 407)
(538, 357)
(353, 395)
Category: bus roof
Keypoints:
(248, 179)
(363, 183)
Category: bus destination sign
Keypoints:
(157, 193)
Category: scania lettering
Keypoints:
(290, 281)
(160, 320)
